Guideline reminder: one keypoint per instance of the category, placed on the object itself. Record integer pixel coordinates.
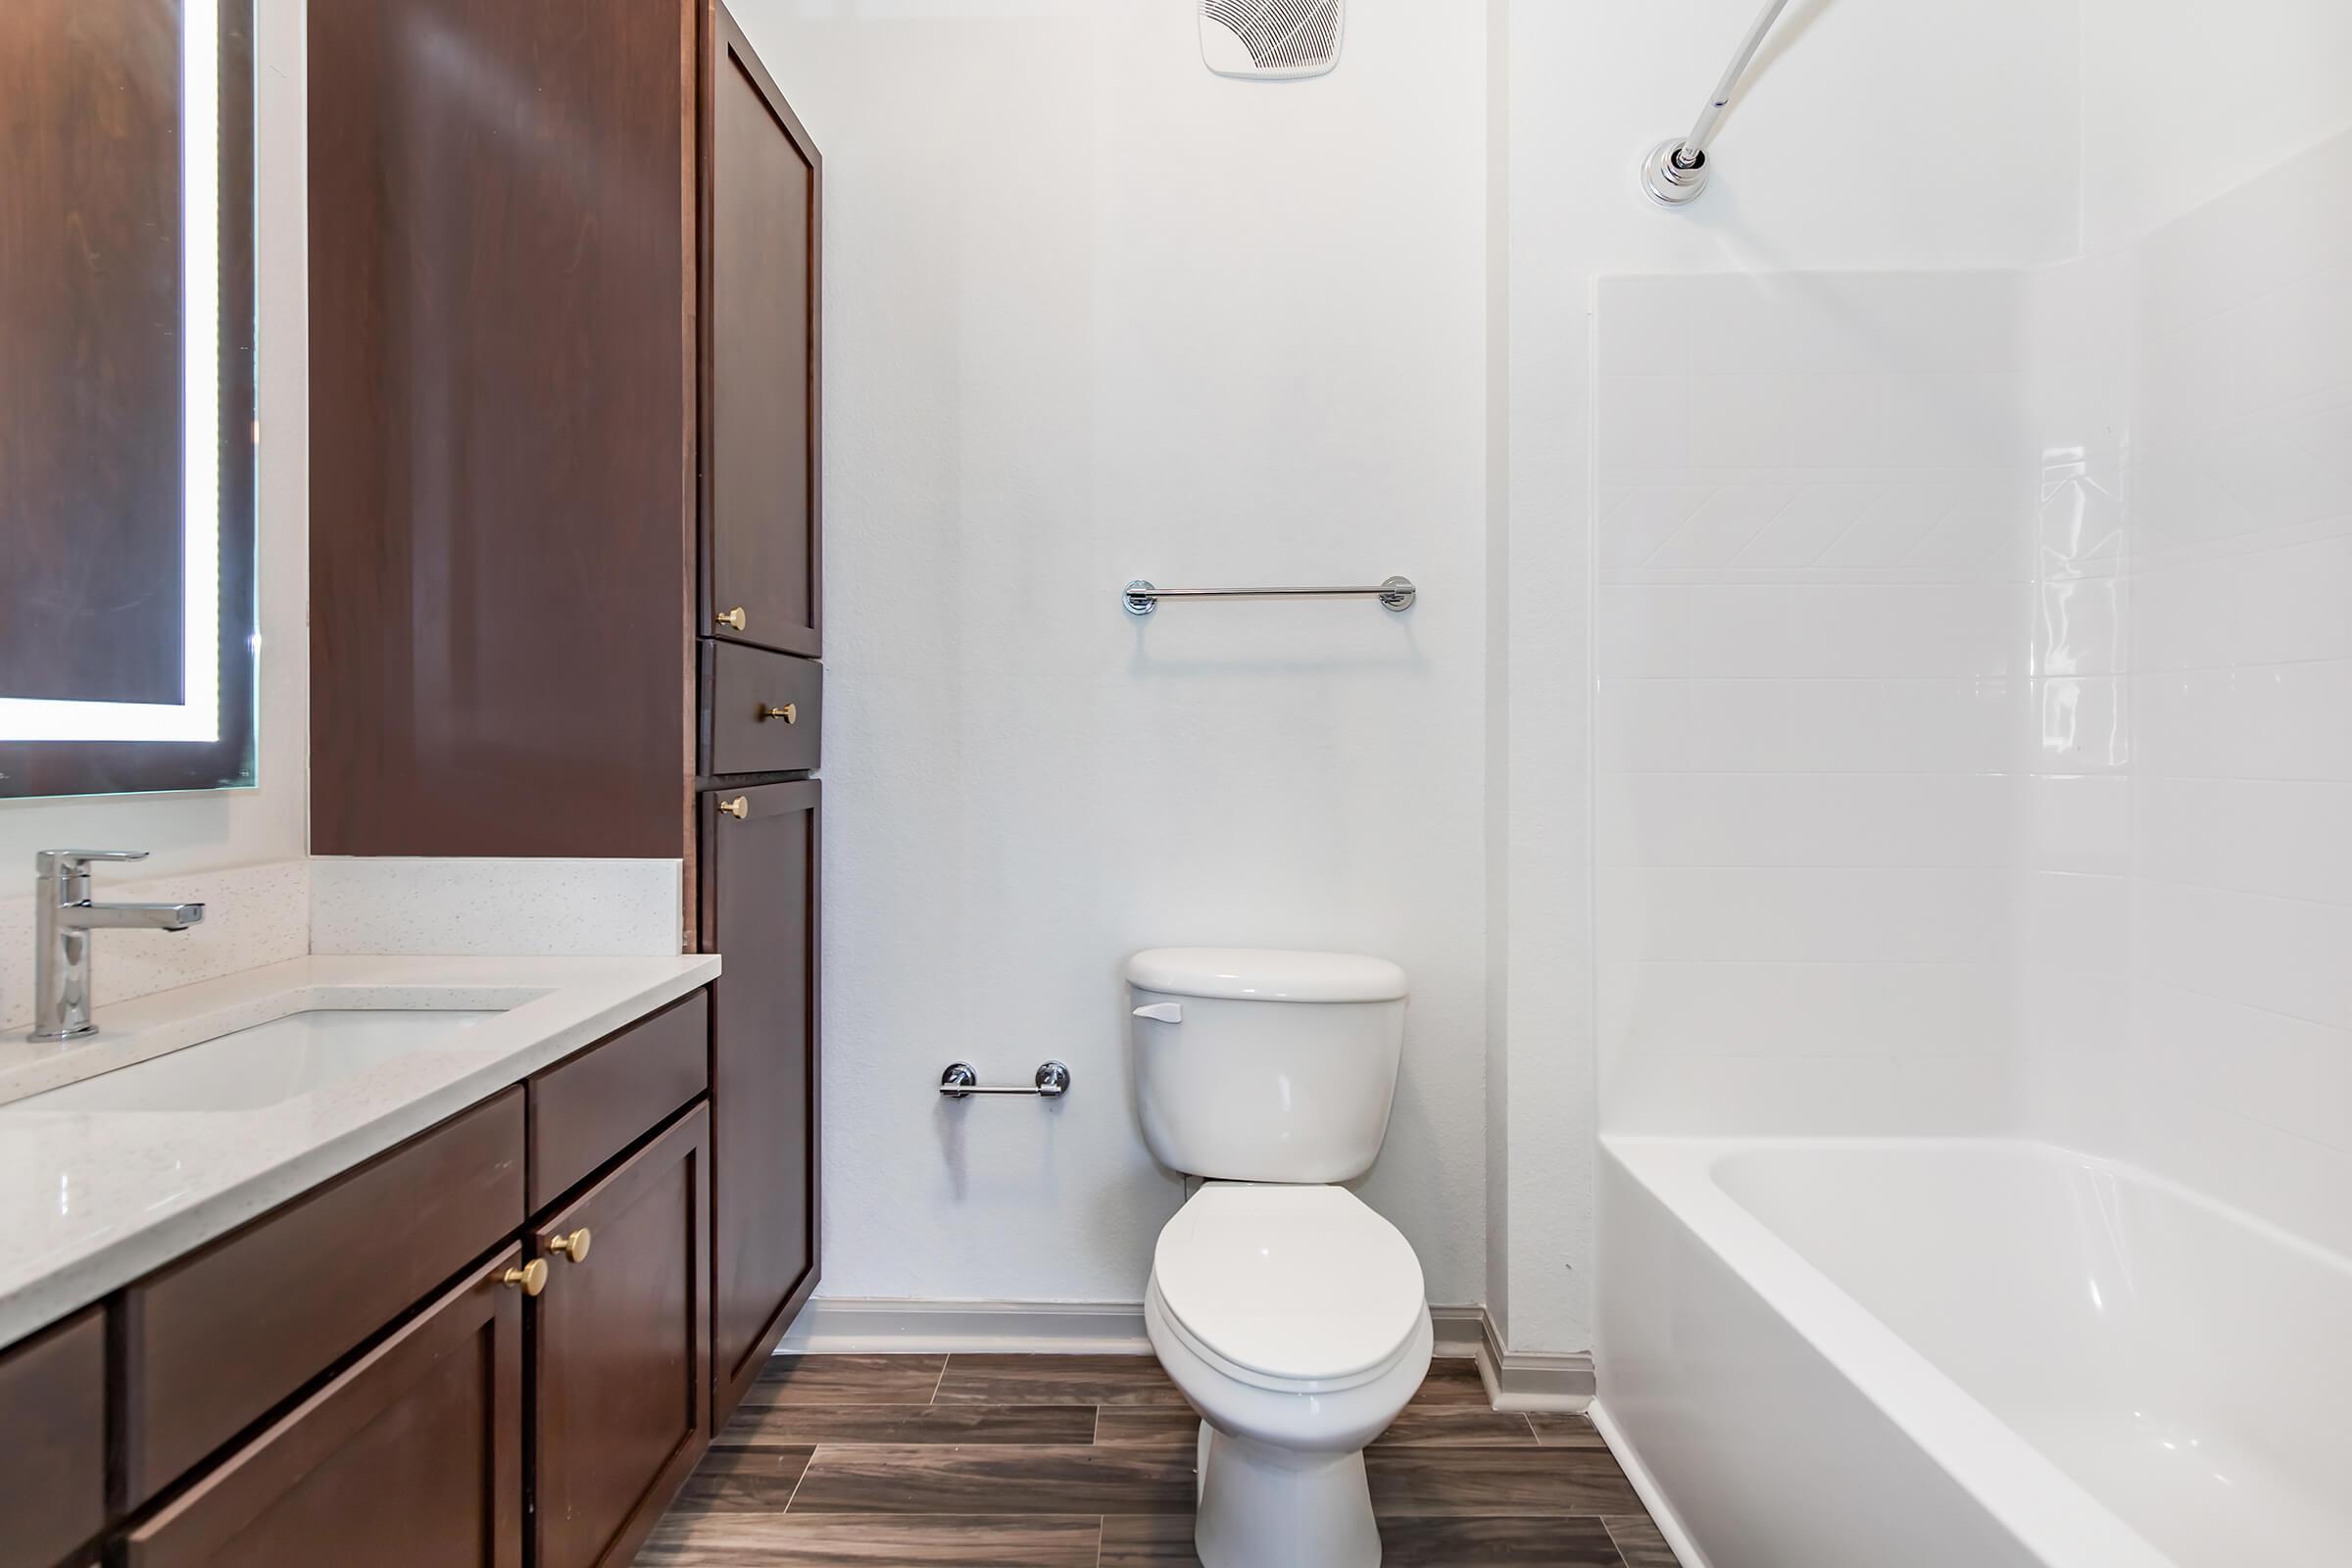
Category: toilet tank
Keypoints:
(1260, 1065)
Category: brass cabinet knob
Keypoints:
(739, 807)
(733, 617)
(573, 1247)
(790, 713)
(533, 1276)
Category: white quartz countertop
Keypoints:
(91, 1200)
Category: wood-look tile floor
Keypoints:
(1086, 1461)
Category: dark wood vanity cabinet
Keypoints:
(502, 425)
(564, 415)
(600, 1099)
(762, 541)
(621, 1351)
(53, 1460)
(413, 1361)
(412, 1456)
(566, 535)
(214, 1341)
(762, 713)
(761, 850)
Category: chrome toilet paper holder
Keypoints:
(961, 1081)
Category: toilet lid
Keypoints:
(1298, 1282)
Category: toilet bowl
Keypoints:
(1293, 1320)
(1291, 1314)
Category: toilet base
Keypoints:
(1266, 1508)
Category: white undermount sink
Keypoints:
(266, 1064)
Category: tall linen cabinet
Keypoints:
(565, 540)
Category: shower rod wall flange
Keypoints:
(1676, 171)
(1667, 182)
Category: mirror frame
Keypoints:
(231, 759)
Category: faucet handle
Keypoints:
(48, 863)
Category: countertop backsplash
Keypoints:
(253, 914)
(279, 910)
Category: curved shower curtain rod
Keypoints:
(1676, 171)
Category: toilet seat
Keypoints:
(1293, 1289)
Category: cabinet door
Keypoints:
(413, 1455)
(502, 330)
(621, 1351)
(762, 180)
(214, 1342)
(53, 1409)
(759, 912)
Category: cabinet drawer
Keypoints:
(214, 1342)
(743, 730)
(53, 1409)
(591, 1105)
(412, 1456)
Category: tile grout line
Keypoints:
(802, 1479)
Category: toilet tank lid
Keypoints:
(1265, 975)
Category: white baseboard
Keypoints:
(1529, 1380)
(1645, 1487)
(833, 1325)
(1460, 1330)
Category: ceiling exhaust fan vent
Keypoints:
(1269, 41)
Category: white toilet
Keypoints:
(1290, 1314)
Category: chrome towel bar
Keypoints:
(1398, 594)
(959, 1080)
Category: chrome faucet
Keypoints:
(65, 917)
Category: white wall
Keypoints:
(2184, 102)
(1866, 136)
(203, 832)
(1094, 313)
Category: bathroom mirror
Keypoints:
(127, 396)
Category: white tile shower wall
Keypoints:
(1995, 776)
(1815, 505)
(2187, 979)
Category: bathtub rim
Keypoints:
(2048, 1511)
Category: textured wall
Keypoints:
(1094, 313)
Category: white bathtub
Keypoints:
(1962, 1354)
